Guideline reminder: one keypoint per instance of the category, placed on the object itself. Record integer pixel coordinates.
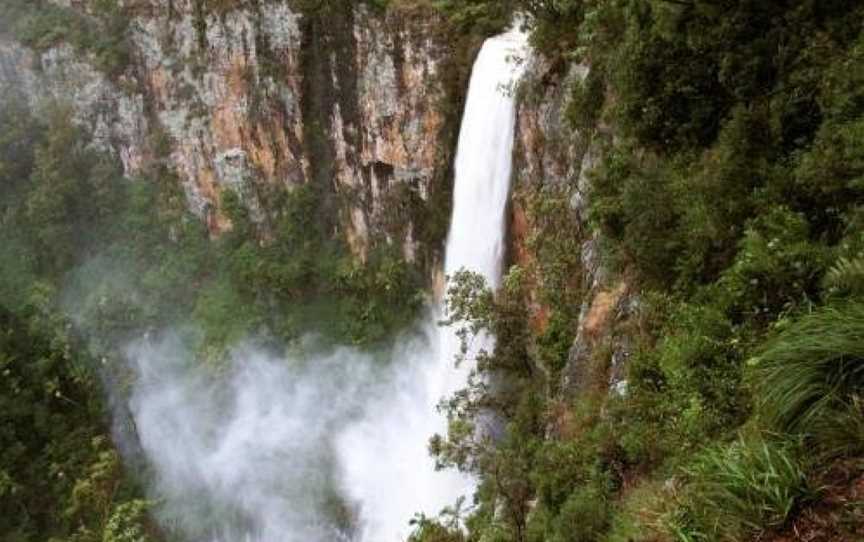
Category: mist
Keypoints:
(245, 452)
(385, 465)
(317, 444)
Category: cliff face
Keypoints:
(553, 161)
(365, 105)
(115, 118)
(262, 97)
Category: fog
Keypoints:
(314, 445)
(245, 451)
(385, 465)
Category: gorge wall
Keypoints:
(258, 97)
(553, 159)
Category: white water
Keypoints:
(386, 464)
(257, 452)
(484, 160)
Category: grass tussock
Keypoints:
(810, 378)
(741, 489)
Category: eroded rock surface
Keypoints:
(552, 155)
(261, 98)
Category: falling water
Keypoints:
(483, 160)
(330, 445)
(483, 168)
(387, 467)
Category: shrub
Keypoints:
(553, 22)
(126, 523)
(480, 16)
(586, 102)
(777, 266)
(639, 514)
(828, 176)
(685, 389)
(702, 369)
(584, 516)
(427, 530)
(671, 96)
(632, 205)
(42, 25)
(560, 467)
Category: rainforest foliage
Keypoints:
(730, 201)
(728, 197)
(89, 260)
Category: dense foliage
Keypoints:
(90, 260)
(730, 200)
(60, 477)
(729, 196)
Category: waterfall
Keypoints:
(318, 446)
(482, 184)
(386, 465)
(483, 160)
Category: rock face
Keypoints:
(551, 155)
(115, 119)
(548, 150)
(260, 98)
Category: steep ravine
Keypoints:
(224, 314)
(258, 99)
(361, 105)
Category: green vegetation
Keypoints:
(90, 260)
(741, 488)
(730, 199)
(60, 478)
(72, 219)
(40, 24)
(810, 379)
